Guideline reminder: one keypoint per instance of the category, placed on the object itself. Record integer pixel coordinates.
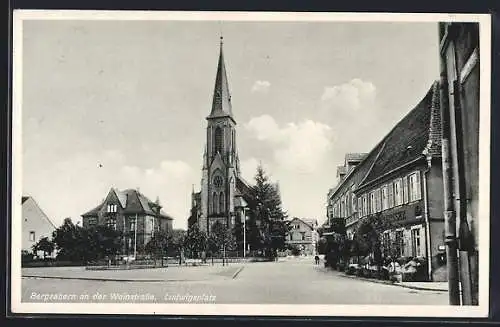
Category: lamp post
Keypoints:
(135, 237)
(244, 218)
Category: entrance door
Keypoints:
(415, 242)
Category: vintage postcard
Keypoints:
(244, 163)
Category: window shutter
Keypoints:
(377, 197)
(390, 194)
(417, 185)
(379, 192)
(366, 204)
(360, 205)
(399, 196)
(405, 189)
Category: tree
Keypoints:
(71, 242)
(158, 245)
(221, 238)
(45, 245)
(78, 244)
(279, 230)
(195, 241)
(368, 238)
(267, 229)
(104, 241)
(176, 242)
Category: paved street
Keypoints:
(295, 281)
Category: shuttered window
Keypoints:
(353, 200)
(390, 193)
(373, 205)
(365, 205)
(415, 191)
(385, 197)
(378, 200)
(405, 189)
(398, 192)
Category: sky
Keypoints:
(123, 104)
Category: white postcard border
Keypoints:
(265, 309)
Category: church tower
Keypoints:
(220, 158)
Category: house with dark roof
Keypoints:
(400, 181)
(35, 223)
(302, 233)
(122, 209)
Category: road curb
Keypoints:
(395, 284)
(114, 279)
(237, 272)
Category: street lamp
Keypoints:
(135, 237)
(244, 218)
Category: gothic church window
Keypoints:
(222, 202)
(215, 200)
(218, 140)
(218, 181)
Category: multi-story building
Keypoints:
(303, 233)
(459, 48)
(36, 224)
(341, 201)
(131, 213)
(400, 182)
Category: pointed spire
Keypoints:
(205, 160)
(221, 105)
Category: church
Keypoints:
(224, 194)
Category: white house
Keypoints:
(35, 223)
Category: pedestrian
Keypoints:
(316, 259)
(203, 257)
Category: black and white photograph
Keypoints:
(245, 163)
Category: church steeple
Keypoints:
(221, 104)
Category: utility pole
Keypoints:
(135, 238)
(244, 232)
(223, 254)
(449, 212)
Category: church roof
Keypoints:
(221, 105)
(244, 189)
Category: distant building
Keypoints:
(35, 225)
(303, 234)
(120, 209)
(400, 181)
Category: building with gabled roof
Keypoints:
(35, 223)
(121, 209)
(302, 233)
(400, 181)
